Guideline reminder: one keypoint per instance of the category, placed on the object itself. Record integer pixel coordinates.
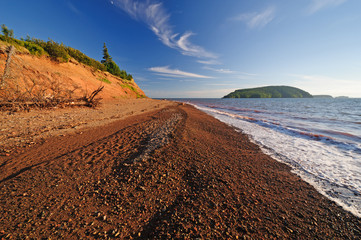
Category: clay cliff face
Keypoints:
(27, 70)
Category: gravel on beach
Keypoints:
(170, 173)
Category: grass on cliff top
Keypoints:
(105, 80)
(132, 88)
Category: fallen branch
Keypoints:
(91, 101)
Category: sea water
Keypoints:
(319, 138)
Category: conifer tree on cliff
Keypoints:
(8, 33)
(108, 62)
(106, 57)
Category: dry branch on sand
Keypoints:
(21, 104)
(90, 100)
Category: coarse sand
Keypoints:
(153, 170)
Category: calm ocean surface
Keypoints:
(319, 138)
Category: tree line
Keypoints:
(61, 53)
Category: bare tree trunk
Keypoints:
(10, 51)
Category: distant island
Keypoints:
(270, 92)
(322, 96)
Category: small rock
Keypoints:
(141, 188)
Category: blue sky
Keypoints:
(203, 48)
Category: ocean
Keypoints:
(319, 138)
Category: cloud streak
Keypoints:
(175, 73)
(235, 74)
(157, 18)
(220, 70)
(209, 62)
(317, 5)
(257, 19)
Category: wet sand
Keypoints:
(173, 173)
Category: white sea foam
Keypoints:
(333, 169)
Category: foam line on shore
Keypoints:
(333, 187)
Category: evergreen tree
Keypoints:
(106, 57)
(112, 67)
(108, 62)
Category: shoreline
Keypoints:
(301, 154)
(174, 172)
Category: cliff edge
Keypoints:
(27, 71)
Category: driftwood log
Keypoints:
(89, 101)
(10, 51)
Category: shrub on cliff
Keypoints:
(34, 49)
(57, 51)
(8, 33)
(82, 58)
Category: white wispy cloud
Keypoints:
(257, 19)
(219, 70)
(158, 20)
(236, 74)
(248, 74)
(317, 5)
(220, 84)
(168, 72)
(209, 62)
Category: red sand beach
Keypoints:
(171, 172)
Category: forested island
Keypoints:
(270, 92)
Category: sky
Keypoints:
(203, 48)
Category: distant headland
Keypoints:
(322, 96)
(269, 92)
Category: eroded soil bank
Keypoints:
(174, 172)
